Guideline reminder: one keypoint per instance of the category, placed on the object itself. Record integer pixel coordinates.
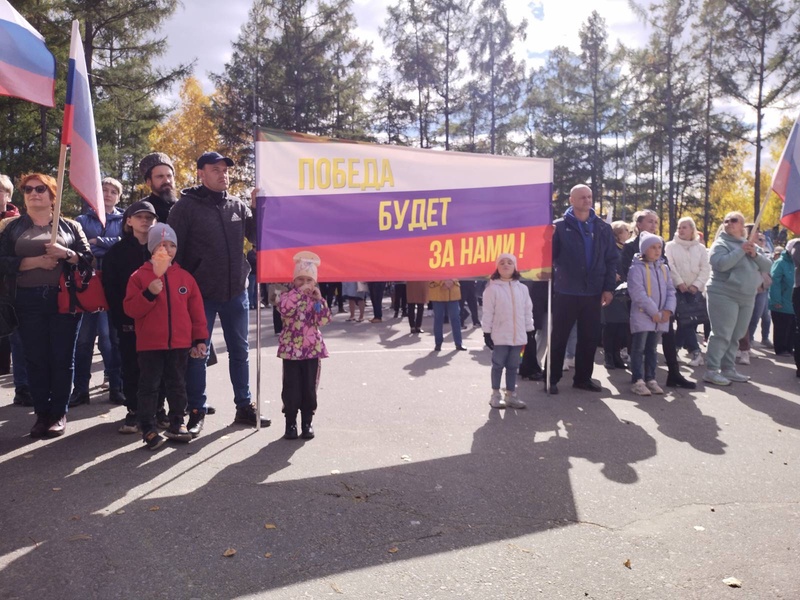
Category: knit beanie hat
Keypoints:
(648, 239)
(151, 161)
(511, 257)
(305, 265)
(160, 232)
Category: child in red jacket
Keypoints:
(167, 308)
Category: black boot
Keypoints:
(291, 428)
(675, 379)
(307, 431)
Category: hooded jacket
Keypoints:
(733, 272)
(780, 292)
(651, 290)
(172, 319)
(507, 312)
(211, 230)
(585, 256)
(688, 261)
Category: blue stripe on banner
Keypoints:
(79, 97)
(21, 49)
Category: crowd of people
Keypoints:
(172, 265)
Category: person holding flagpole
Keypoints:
(32, 265)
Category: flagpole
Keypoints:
(62, 165)
(757, 222)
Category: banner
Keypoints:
(376, 212)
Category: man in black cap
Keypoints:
(211, 227)
(158, 173)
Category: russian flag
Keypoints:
(78, 131)
(786, 180)
(27, 68)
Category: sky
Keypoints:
(550, 23)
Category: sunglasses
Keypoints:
(731, 220)
(39, 189)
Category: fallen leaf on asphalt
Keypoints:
(27, 456)
(515, 547)
(405, 458)
(699, 528)
(154, 508)
(56, 489)
(627, 563)
(336, 589)
(393, 549)
(74, 518)
(80, 536)
(270, 526)
(713, 509)
(225, 437)
(229, 552)
(268, 555)
(732, 582)
(121, 511)
(335, 472)
(103, 416)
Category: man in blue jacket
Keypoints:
(584, 277)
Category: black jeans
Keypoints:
(300, 380)
(156, 366)
(568, 310)
(48, 338)
(783, 328)
(415, 313)
(469, 298)
(530, 361)
(796, 305)
(399, 298)
(376, 289)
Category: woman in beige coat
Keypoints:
(417, 298)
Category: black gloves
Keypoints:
(487, 338)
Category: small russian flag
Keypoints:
(78, 131)
(786, 180)
(27, 68)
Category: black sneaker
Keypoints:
(247, 415)
(130, 424)
(153, 440)
(78, 398)
(178, 431)
(196, 422)
(162, 420)
(22, 396)
(291, 431)
(307, 431)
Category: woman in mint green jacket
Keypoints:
(736, 268)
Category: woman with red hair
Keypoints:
(31, 266)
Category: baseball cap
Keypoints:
(209, 158)
(142, 206)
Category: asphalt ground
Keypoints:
(415, 488)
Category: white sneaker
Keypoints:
(640, 388)
(569, 363)
(653, 386)
(496, 400)
(734, 375)
(697, 359)
(743, 357)
(513, 401)
(716, 378)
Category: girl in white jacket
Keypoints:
(507, 324)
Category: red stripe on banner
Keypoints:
(455, 256)
(20, 83)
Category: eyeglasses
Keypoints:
(39, 189)
(731, 220)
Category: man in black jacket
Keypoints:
(584, 277)
(158, 173)
(211, 227)
(647, 220)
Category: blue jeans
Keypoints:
(453, 311)
(234, 316)
(95, 326)
(761, 313)
(251, 289)
(20, 372)
(644, 348)
(505, 357)
(572, 342)
(49, 341)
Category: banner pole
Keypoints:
(757, 222)
(548, 358)
(62, 164)
(258, 349)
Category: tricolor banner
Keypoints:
(78, 131)
(27, 68)
(376, 212)
(786, 180)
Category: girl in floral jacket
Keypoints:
(303, 311)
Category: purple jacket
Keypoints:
(651, 290)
